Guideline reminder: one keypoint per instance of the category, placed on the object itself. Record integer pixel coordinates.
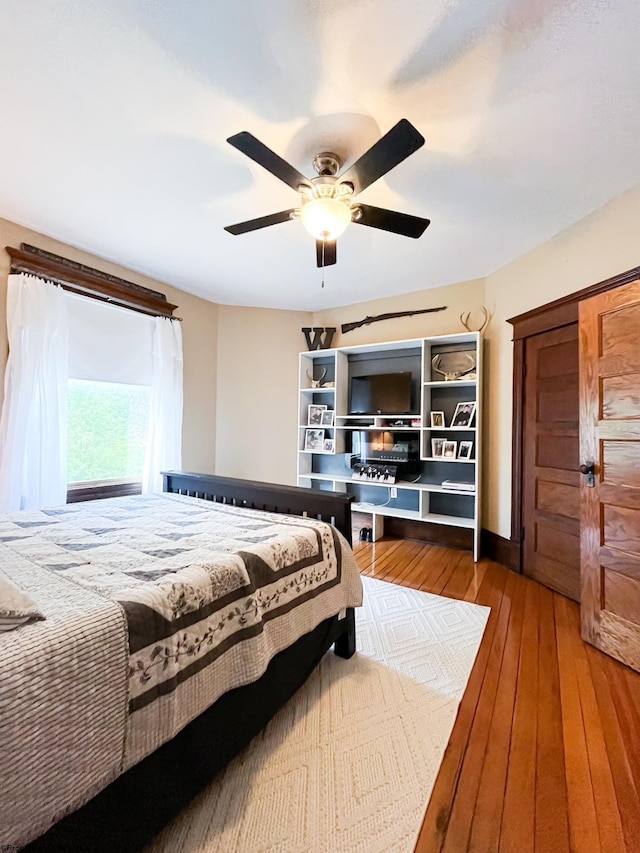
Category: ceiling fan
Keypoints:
(326, 205)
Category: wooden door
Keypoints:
(610, 438)
(551, 482)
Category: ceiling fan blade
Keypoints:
(268, 159)
(260, 222)
(391, 220)
(394, 147)
(325, 253)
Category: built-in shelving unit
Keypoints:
(439, 436)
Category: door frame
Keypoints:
(552, 315)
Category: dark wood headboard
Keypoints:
(332, 507)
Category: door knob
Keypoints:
(588, 469)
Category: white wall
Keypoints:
(599, 246)
(257, 408)
(458, 298)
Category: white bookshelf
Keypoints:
(420, 497)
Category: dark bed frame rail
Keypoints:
(331, 507)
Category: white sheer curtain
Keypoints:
(33, 426)
(164, 443)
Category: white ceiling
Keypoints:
(116, 114)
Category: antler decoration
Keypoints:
(453, 375)
(316, 383)
(464, 319)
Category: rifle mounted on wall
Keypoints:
(348, 327)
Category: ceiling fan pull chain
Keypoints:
(323, 267)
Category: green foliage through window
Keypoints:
(107, 430)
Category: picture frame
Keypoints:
(327, 417)
(437, 420)
(313, 440)
(464, 414)
(314, 414)
(328, 445)
(437, 447)
(465, 449)
(449, 449)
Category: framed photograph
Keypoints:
(327, 417)
(314, 417)
(437, 419)
(465, 449)
(464, 414)
(437, 447)
(327, 445)
(313, 439)
(449, 449)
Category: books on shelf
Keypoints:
(458, 485)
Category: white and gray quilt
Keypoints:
(154, 607)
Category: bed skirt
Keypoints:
(133, 809)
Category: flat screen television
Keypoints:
(382, 393)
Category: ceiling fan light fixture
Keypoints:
(325, 218)
(326, 206)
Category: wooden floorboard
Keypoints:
(438, 815)
(517, 829)
(619, 759)
(545, 752)
(551, 809)
(487, 815)
(583, 821)
(464, 804)
(607, 810)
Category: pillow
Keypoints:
(16, 607)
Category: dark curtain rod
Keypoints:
(85, 281)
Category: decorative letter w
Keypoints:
(317, 343)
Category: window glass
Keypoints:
(107, 430)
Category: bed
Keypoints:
(176, 626)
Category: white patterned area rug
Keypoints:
(349, 763)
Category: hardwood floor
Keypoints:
(545, 752)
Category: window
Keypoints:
(109, 392)
(107, 431)
(116, 365)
